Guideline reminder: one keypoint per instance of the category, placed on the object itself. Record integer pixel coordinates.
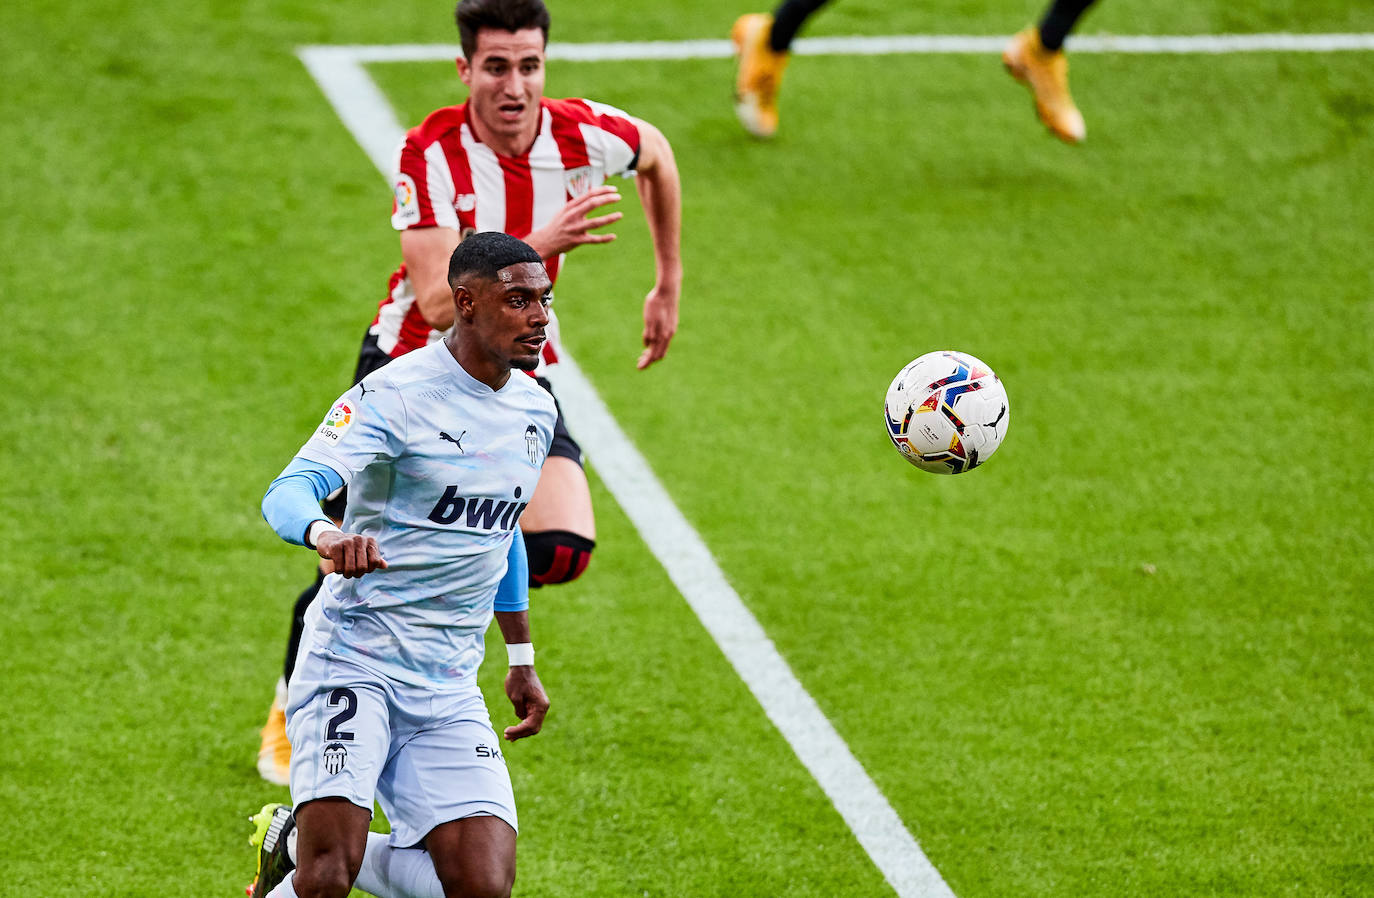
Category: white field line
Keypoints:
(681, 551)
(877, 46)
(339, 68)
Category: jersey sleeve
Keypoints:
(292, 502)
(613, 141)
(513, 592)
(422, 186)
(365, 425)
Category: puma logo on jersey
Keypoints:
(457, 441)
(477, 513)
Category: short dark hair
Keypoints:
(503, 15)
(485, 253)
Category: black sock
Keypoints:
(787, 21)
(298, 622)
(1059, 21)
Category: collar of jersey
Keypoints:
(466, 380)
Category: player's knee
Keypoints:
(327, 878)
(557, 556)
(482, 874)
(482, 881)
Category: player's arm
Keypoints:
(523, 688)
(292, 508)
(660, 192)
(426, 252)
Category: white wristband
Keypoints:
(312, 533)
(521, 654)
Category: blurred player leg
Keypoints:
(763, 42)
(1035, 57)
(274, 752)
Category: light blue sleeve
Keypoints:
(513, 592)
(292, 502)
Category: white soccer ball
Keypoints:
(947, 412)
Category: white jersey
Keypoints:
(439, 468)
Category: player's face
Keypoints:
(505, 80)
(511, 312)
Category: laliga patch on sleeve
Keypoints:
(336, 423)
(405, 210)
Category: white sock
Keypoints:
(285, 889)
(389, 872)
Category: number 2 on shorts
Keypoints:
(346, 698)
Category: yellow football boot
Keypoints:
(760, 74)
(1047, 75)
(274, 757)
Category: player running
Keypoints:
(1034, 56)
(509, 159)
(385, 701)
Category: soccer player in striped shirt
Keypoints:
(509, 159)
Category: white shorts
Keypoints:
(426, 757)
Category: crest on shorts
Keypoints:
(335, 756)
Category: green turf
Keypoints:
(1127, 657)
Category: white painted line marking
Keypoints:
(678, 547)
(876, 46)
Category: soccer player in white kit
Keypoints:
(441, 450)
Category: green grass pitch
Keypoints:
(1130, 656)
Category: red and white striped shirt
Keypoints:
(446, 177)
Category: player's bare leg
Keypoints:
(329, 847)
(474, 857)
(559, 525)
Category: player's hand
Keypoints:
(660, 324)
(352, 554)
(530, 701)
(571, 227)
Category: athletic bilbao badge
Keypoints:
(580, 180)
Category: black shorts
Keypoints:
(371, 357)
